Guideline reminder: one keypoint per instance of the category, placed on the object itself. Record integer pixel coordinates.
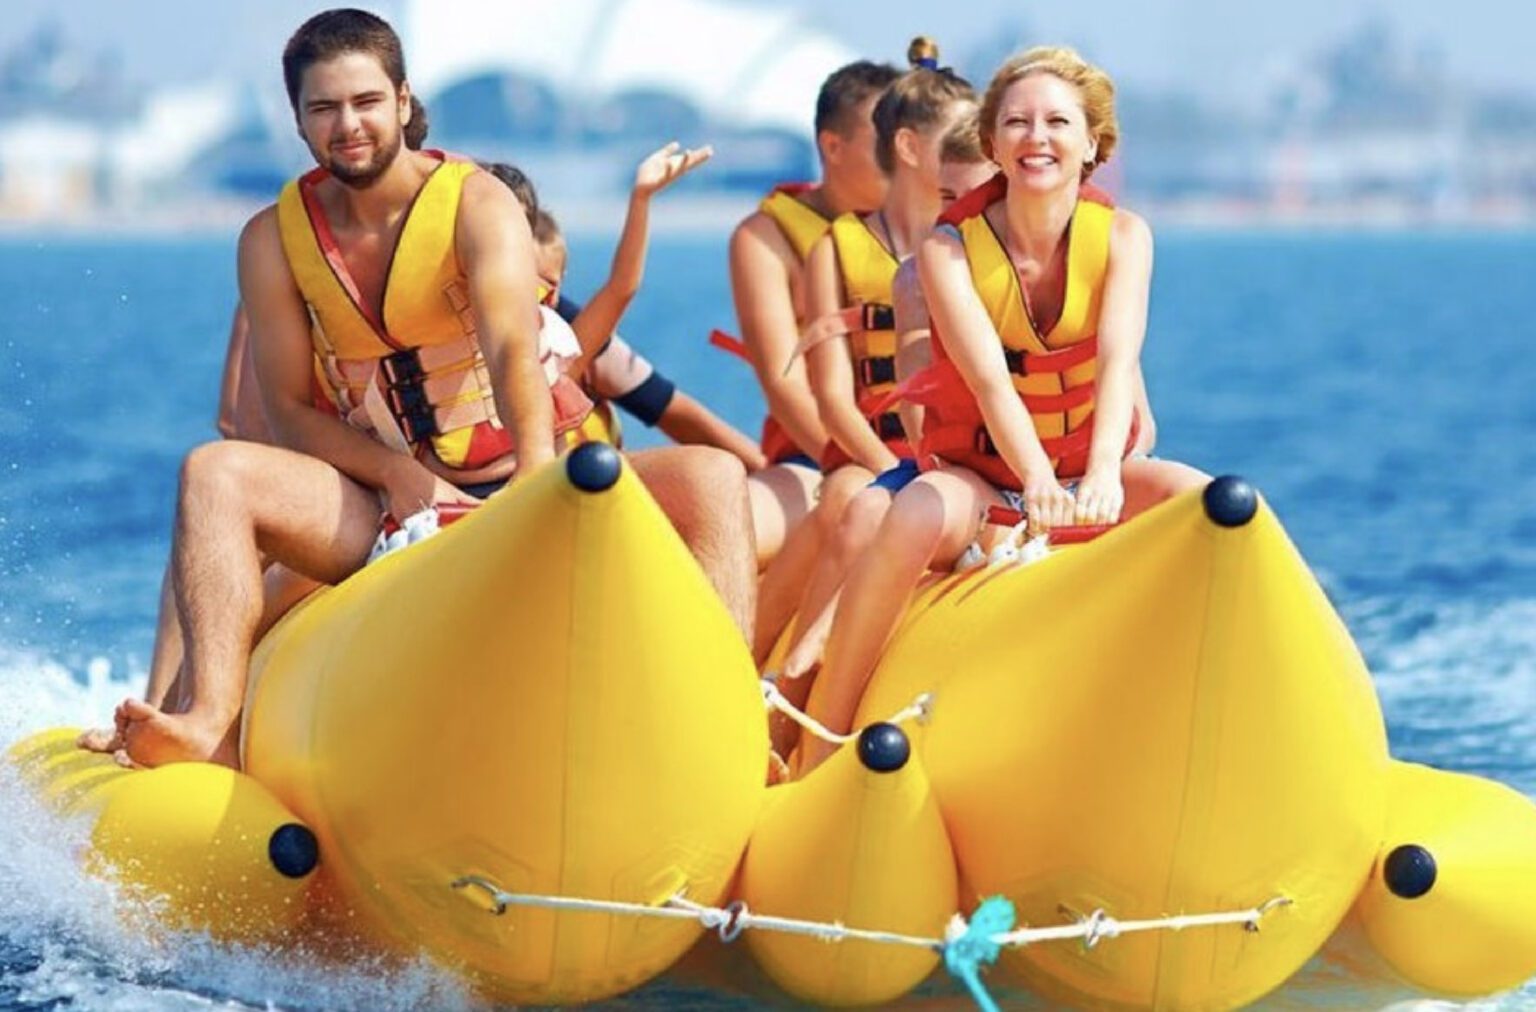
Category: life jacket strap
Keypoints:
(1032, 363)
(1070, 450)
(864, 317)
(734, 345)
(1067, 400)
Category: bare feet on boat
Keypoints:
(778, 769)
(805, 657)
(154, 738)
(101, 739)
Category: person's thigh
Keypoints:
(1149, 481)
(781, 496)
(304, 513)
(950, 504)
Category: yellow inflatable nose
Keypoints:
(1451, 902)
(548, 696)
(1168, 720)
(859, 842)
(214, 848)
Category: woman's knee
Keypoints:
(862, 517)
(914, 524)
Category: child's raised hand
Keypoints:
(664, 167)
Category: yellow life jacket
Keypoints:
(868, 270)
(801, 224)
(413, 376)
(1054, 373)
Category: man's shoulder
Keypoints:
(262, 228)
(759, 231)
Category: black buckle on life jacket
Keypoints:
(877, 316)
(407, 397)
(983, 443)
(888, 427)
(876, 369)
(1018, 361)
(402, 368)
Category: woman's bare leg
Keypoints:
(855, 532)
(783, 583)
(929, 524)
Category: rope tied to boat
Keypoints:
(968, 946)
(920, 709)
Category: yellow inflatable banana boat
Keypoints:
(533, 746)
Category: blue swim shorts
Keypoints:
(895, 479)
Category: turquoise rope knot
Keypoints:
(966, 955)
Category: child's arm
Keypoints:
(598, 318)
(691, 423)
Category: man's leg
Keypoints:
(703, 491)
(281, 589)
(241, 503)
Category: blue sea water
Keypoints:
(1376, 387)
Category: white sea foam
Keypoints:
(66, 936)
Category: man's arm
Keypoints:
(495, 250)
(760, 286)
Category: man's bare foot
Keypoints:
(154, 738)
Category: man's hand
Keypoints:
(410, 488)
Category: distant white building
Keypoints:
(751, 68)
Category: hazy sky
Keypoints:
(1222, 47)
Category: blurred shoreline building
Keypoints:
(1369, 130)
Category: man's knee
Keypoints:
(220, 470)
(688, 481)
(713, 469)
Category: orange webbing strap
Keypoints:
(940, 376)
(1075, 444)
(1046, 404)
(725, 342)
(863, 316)
(1035, 363)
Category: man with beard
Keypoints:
(410, 279)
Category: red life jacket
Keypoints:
(1054, 373)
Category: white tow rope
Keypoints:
(919, 710)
